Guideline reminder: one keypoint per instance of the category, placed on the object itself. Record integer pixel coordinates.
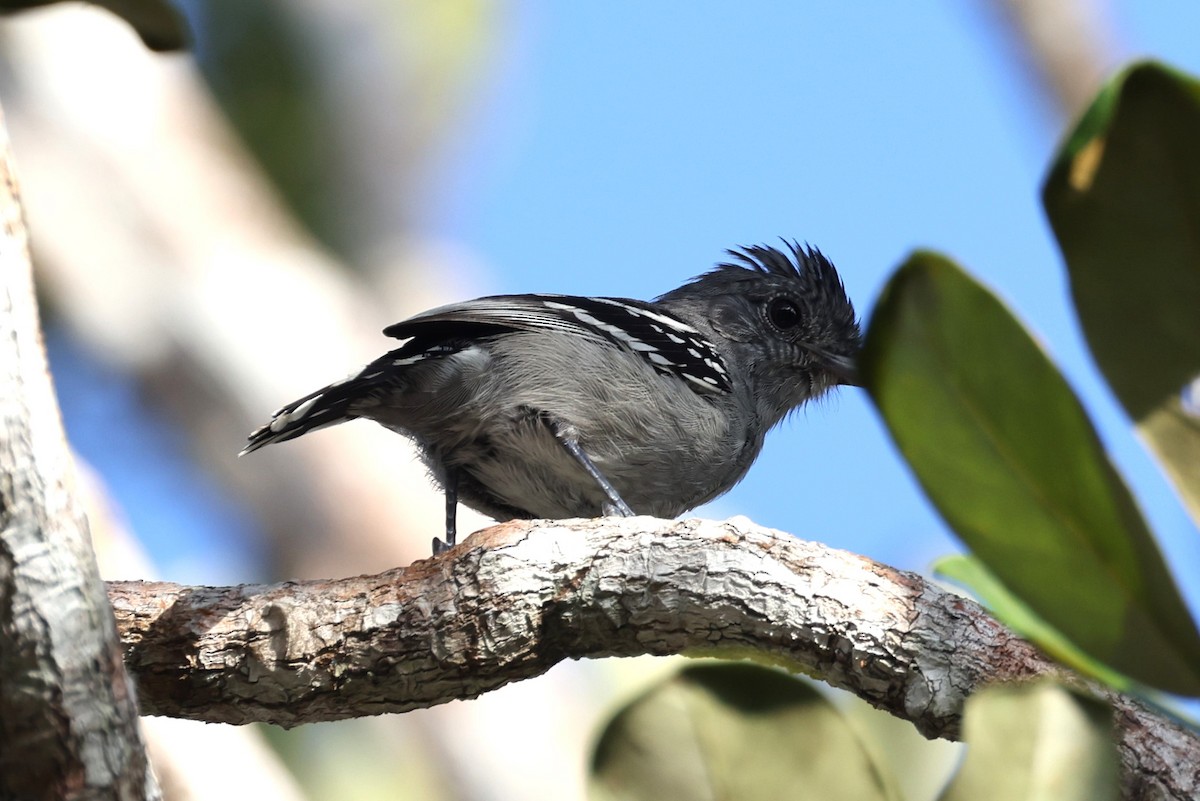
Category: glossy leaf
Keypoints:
(1036, 742)
(1007, 454)
(733, 730)
(1123, 198)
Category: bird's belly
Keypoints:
(520, 466)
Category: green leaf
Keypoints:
(1123, 198)
(733, 730)
(969, 572)
(1007, 454)
(1036, 742)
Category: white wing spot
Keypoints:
(282, 421)
(703, 382)
(658, 318)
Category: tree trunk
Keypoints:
(68, 719)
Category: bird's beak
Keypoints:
(844, 369)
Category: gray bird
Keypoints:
(556, 406)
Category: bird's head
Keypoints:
(785, 319)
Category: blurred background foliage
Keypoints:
(722, 730)
(221, 231)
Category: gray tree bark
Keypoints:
(516, 599)
(68, 720)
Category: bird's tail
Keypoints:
(325, 407)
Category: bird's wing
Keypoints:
(520, 313)
(670, 345)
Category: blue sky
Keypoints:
(619, 149)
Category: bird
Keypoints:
(561, 406)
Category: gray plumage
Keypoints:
(556, 406)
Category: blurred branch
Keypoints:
(159, 25)
(68, 721)
(1069, 45)
(518, 598)
(361, 146)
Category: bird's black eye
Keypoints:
(783, 314)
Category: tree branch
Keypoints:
(520, 597)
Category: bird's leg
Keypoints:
(451, 486)
(614, 506)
